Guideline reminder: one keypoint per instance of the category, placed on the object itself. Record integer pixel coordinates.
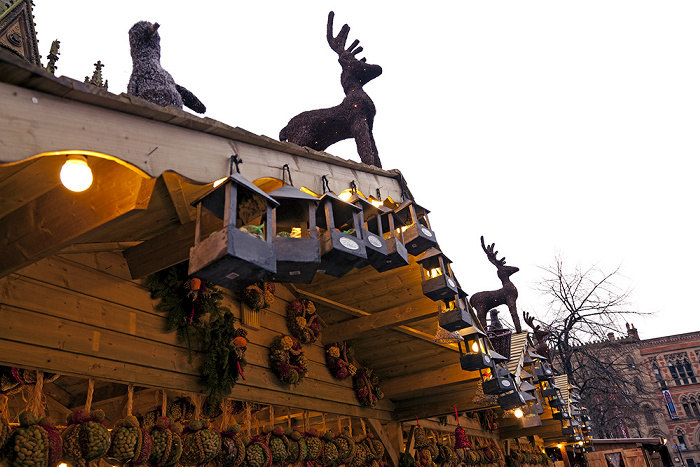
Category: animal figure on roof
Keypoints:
(352, 118)
(148, 79)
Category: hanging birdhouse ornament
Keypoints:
(241, 252)
(511, 400)
(476, 356)
(454, 313)
(418, 237)
(375, 245)
(294, 235)
(499, 379)
(436, 275)
(342, 247)
(388, 224)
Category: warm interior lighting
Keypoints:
(296, 232)
(580, 443)
(216, 183)
(559, 445)
(345, 195)
(475, 347)
(63, 465)
(434, 273)
(518, 413)
(76, 174)
(376, 202)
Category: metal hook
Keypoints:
(379, 194)
(324, 183)
(353, 186)
(285, 168)
(235, 160)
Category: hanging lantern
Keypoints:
(511, 399)
(375, 245)
(476, 357)
(454, 313)
(560, 414)
(241, 253)
(557, 401)
(542, 369)
(531, 397)
(549, 389)
(295, 236)
(499, 379)
(389, 223)
(342, 247)
(418, 236)
(436, 275)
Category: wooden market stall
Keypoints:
(75, 300)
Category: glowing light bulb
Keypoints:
(518, 413)
(76, 174)
(219, 182)
(559, 445)
(345, 195)
(475, 347)
(580, 443)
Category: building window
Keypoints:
(686, 407)
(658, 376)
(674, 374)
(691, 463)
(681, 442)
(694, 407)
(689, 370)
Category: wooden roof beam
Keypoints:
(403, 386)
(389, 318)
(59, 218)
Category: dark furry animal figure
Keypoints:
(148, 79)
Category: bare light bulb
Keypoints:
(76, 174)
(518, 413)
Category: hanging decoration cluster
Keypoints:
(366, 385)
(338, 360)
(258, 296)
(287, 360)
(302, 321)
(194, 309)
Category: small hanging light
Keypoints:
(76, 174)
(518, 413)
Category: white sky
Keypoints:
(546, 126)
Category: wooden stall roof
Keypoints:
(152, 163)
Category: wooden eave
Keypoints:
(138, 215)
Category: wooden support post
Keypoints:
(378, 430)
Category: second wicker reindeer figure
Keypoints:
(352, 118)
(507, 295)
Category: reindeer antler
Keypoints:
(491, 255)
(530, 320)
(338, 43)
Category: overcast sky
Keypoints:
(548, 127)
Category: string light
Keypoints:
(518, 413)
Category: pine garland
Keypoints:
(195, 311)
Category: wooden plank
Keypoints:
(388, 318)
(112, 263)
(378, 431)
(185, 211)
(155, 147)
(58, 218)
(403, 386)
(97, 247)
(32, 179)
(168, 248)
(439, 405)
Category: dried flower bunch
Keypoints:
(258, 296)
(366, 385)
(302, 321)
(338, 358)
(287, 360)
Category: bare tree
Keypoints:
(588, 342)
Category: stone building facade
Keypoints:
(672, 368)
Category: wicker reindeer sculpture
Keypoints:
(540, 335)
(507, 295)
(352, 118)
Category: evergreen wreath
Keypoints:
(194, 309)
(302, 321)
(338, 357)
(366, 385)
(287, 360)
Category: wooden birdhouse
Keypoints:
(454, 312)
(295, 237)
(241, 252)
(498, 380)
(511, 399)
(375, 245)
(436, 275)
(389, 224)
(560, 414)
(418, 237)
(476, 355)
(342, 247)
